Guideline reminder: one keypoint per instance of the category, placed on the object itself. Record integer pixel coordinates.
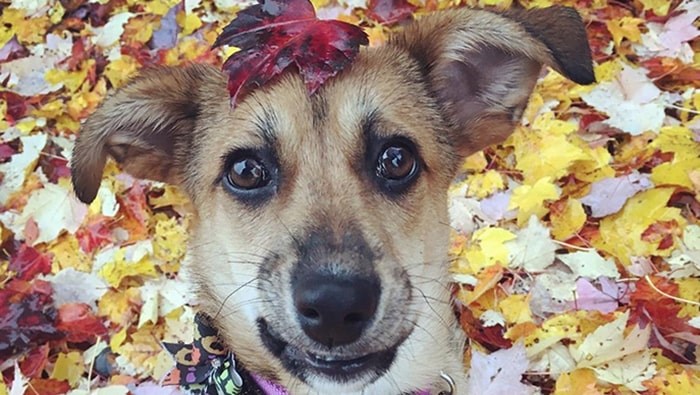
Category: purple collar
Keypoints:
(270, 388)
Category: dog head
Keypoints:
(320, 238)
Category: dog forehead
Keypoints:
(382, 82)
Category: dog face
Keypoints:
(320, 238)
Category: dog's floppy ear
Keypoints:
(482, 66)
(142, 126)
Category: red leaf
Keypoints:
(95, 234)
(491, 337)
(25, 323)
(28, 262)
(79, 323)
(6, 152)
(33, 364)
(648, 305)
(16, 106)
(135, 212)
(275, 34)
(390, 11)
(661, 232)
(48, 387)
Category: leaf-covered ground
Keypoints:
(576, 246)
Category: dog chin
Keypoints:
(326, 372)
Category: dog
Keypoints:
(320, 238)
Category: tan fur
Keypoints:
(176, 125)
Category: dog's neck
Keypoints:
(207, 367)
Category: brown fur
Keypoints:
(452, 83)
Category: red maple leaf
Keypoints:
(28, 262)
(648, 305)
(79, 323)
(390, 11)
(274, 34)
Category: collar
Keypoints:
(206, 367)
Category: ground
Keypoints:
(576, 249)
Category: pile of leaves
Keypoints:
(576, 250)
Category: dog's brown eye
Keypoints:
(396, 162)
(247, 173)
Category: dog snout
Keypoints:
(334, 310)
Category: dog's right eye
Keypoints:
(247, 173)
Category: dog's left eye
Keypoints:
(397, 165)
(395, 162)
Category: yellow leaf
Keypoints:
(484, 184)
(546, 150)
(56, 13)
(69, 367)
(118, 305)
(28, 30)
(682, 383)
(320, 3)
(119, 71)
(595, 167)
(159, 7)
(169, 240)
(139, 29)
(579, 382)
(120, 268)
(144, 348)
(516, 309)
(377, 35)
(529, 200)
(189, 22)
(625, 27)
(689, 289)
(621, 233)
(678, 140)
(118, 339)
(67, 254)
(607, 71)
(475, 162)
(487, 248)
(569, 221)
(660, 7)
(6, 35)
(486, 279)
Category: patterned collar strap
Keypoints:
(206, 367)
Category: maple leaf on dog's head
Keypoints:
(274, 34)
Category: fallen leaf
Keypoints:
(608, 343)
(589, 264)
(632, 102)
(533, 248)
(609, 195)
(272, 35)
(499, 372)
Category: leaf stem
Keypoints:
(660, 292)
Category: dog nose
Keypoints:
(334, 310)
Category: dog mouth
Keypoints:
(337, 368)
